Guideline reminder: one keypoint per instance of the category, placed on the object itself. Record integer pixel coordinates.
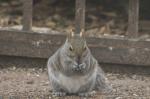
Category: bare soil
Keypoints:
(32, 83)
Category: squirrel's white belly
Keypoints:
(73, 84)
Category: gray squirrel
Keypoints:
(73, 70)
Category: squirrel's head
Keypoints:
(76, 46)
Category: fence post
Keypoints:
(80, 15)
(133, 19)
(27, 15)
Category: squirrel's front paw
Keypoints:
(79, 67)
(87, 94)
(82, 66)
(58, 94)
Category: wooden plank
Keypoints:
(106, 50)
(27, 15)
(144, 25)
(133, 19)
(80, 15)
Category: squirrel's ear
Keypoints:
(71, 34)
(82, 33)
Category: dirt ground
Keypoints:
(32, 83)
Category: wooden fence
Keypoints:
(128, 50)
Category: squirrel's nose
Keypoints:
(78, 60)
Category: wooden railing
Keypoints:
(133, 19)
(129, 50)
(27, 15)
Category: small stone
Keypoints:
(14, 68)
(135, 95)
(49, 97)
(111, 48)
(30, 82)
(118, 98)
(37, 75)
(134, 77)
(28, 74)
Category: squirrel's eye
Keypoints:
(70, 48)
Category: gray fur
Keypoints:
(66, 76)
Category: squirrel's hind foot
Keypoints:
(58, 94)
(87, 94)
